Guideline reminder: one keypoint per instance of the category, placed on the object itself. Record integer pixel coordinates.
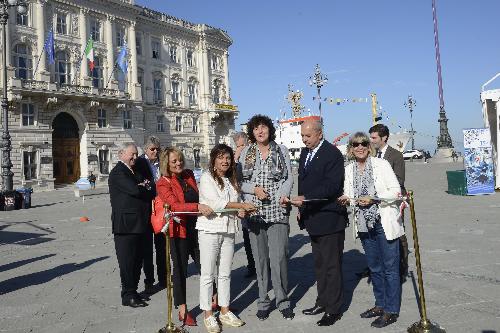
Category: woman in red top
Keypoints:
(177, 187)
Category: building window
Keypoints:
(29, 165)
(157, 91)
(104, 161)
(215, 62)
(102, 120)
(196, 157)
(127, 119)
(63, 68)
(120, 36)
(160, 124)
(173, 53)
(175, 92)
(28, 114)
(95, 29)
(190, 58)
(192, 93)
(178, 124)
(140, 80)
(23, 62)
(196, 127)
(155, 49)
(138, 45)
(22, 19)
(97, 76)
(61, 25)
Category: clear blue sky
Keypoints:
(386, 47)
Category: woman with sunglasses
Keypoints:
(377, 223)
(177, 187)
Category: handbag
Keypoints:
(157, 215)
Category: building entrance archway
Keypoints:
(65, 149)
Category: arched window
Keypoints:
(97, 76)
(63, 68)
(158, 89)
(192, 91)
(23, 62)
(175, 83)
(216, 91)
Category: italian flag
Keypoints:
(89, 52)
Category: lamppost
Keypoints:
(410, 103)
(318, 80)
(7, 174)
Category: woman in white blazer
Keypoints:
(377, 223)
(216, 233)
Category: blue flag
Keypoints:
(122, 58)
(49, 47)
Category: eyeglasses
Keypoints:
(154, 148)
(363, 143)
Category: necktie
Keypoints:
(308, 160)
(379, 154)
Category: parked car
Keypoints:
(414, 153)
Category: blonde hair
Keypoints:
(359, 137)
(165, 160)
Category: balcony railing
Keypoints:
(44, 86)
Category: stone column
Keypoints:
(225, 63)
(147, 80)
(205, 84)
(40, 18)
(135, 90)
(108, 41)
(85, 74)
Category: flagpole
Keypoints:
(38, 62)
(112, 72)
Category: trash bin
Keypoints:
(10, 200)
(26, 197)
(457, 182)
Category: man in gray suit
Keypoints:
(379, 134)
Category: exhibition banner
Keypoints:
(478, 160)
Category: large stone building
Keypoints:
(66, 119)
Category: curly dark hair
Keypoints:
(217, 151)
(257, 120)
(381, 130)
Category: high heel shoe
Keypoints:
(188, 319)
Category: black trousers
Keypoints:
(327, 252)
(161, 268)
(248, 250)
(130, 253)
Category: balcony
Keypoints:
(34, 87)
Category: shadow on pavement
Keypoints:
(22, 238)
(32, 279)
(353, 262)
(20, 263)
(300, 277)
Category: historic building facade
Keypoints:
(66, 119)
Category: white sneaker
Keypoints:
(211, 324)
(230, 319)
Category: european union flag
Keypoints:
(122, 58)
(49, 47)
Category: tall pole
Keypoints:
(318, 80)
(410, 103)
(444, 139)
(7, 174)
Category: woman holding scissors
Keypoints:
(373, 189)
(216, 234)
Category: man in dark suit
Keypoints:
(379, 134)
(321, 182)
(148, 165)
(130, 195)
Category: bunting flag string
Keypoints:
(338, 101)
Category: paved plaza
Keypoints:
(58, 274)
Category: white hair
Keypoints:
(152, 141)
(124, 146)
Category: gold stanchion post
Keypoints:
(424, 325)
(169, 327)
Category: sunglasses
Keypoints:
(363, 143)
(154, 148)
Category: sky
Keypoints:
(384, 47)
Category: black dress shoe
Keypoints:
(363, 274)
(263, 314)
(385, 319)
(134, 302)
(329, 319)
(287, 313)
(150, 289)
(314, 310)
(373, 312)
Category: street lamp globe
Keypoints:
(12, 2)
(22, 9)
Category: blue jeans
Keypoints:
(383, 260)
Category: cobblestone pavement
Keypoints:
(58, 274)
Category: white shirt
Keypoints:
(312, 153)
(383, 150)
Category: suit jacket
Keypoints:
(323, 179)
(130, 203)
(142, 166)
(397, 162)
(170, 192)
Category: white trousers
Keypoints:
(216, 258)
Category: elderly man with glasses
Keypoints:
(149, 166)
